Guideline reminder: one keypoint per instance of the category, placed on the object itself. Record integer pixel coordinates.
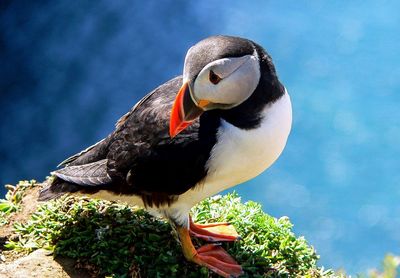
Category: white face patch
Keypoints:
(239, 79)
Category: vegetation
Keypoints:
(111, 239)
(13, 199)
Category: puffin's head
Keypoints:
(220, 72)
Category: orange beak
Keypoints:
(184, 111)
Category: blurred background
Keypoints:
(70, 69)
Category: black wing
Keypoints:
(143, 153)
(140, 158)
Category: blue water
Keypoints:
(69, 69)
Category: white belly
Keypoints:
(240, 155)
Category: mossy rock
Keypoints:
(111, 239)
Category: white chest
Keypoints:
(240, 155)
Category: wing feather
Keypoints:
(90, 174)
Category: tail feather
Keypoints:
(90, 174)
(56, 189)
(76, 178)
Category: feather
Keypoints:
(90, 174)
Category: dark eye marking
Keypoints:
(214, 78)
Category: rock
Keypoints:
(40, 264)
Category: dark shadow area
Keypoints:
(72, 268)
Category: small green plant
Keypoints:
(13, 199)
(115, 240)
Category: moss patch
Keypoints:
(111, 239)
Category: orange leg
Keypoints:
(212, 256)
(213, 231)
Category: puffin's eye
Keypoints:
(214, 78)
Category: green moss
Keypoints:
(120, 241)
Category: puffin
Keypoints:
(224, 121)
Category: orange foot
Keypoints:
(211, 256)
(214, 231)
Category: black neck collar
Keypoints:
(248, 115)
